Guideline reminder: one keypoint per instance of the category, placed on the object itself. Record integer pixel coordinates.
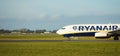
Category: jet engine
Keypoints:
(102, 35)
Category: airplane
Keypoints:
(97, 30)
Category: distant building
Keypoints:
(46, 32)
(15, 32)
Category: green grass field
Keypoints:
(43, 37)
(60, 49)
(31, 37)
(55, 48)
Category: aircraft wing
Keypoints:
(115, 32)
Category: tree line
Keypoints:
(25, 30)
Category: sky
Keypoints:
(54, 14)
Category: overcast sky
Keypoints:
(54, 14)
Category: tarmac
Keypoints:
(59, 40)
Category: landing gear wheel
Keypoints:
(116, 37)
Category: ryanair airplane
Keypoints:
(97, 30)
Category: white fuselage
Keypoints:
(87, 29)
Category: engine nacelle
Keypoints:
(102, 35)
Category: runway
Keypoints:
(59, 40)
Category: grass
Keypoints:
(60, 49)
(43, 37)
(31, 37)
(55, 48)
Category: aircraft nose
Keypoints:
(59, 32)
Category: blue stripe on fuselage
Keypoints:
(80, 34)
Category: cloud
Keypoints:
(55, 16)
(43, 10)
(41, 16)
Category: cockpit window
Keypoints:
(62, 28)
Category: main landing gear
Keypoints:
(116, 37)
